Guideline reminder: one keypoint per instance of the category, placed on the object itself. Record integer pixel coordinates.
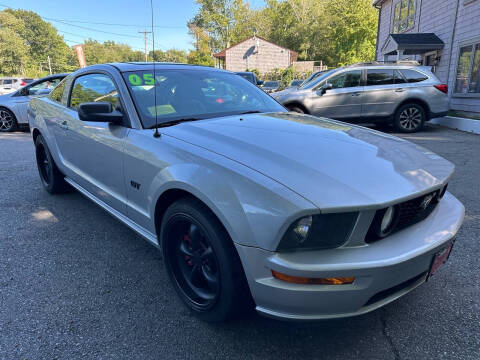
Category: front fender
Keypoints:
(254, 209)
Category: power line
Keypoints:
(113, 24)
(85, 27)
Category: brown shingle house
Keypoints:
(255, 53)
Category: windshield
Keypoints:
(296, 82)
(270, 84)
(247, 76)
(315, 78)
(194, 94)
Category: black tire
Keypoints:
(52, 179)
(296, 109)
(202, 262)
(410, 118)
(8, 122)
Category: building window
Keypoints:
(404, 16)
(468, 70)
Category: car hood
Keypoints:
(6, 97)
(337, 166)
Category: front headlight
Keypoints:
(324, 231)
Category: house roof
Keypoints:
(417, 39)
(412, 43)
(223, 53)
(377, 2)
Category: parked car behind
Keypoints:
(295, 83)
(250, 76)
(13, 106)
(10, 84)
(402, 94)
(311, 218)
(270, 86)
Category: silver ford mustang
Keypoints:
(301, 217)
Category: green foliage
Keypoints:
(202, 54)
(285, 76)
(172, 55)
(13, 50)
(42, 41)
(337, 32)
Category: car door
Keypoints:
(344, 98)
(384, 90)
(23, 96)
(93, 151)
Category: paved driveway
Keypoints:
(75, 283)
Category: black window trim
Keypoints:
(127, 122)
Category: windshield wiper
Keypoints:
(175, 122)
(250, 112)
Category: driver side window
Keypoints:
(93, 88)
(346, 79)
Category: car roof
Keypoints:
(139, 66)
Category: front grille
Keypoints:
(410, 212)
(413, 211)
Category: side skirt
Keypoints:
(147, 235)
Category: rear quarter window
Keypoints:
(57, 93)
(413, 76)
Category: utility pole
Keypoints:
(145, 38)
(49, 65)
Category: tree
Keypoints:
(13, 49)
(353, 28)
(335, 31)
(202, 55)
(172, 55)
(43, 42)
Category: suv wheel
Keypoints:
(296, 109)
(8, 122)
(202, 263)
(410, 118)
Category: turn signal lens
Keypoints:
(313, 281)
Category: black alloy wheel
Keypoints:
(52, 179)
(194, 264)
(202, 262)
(44, 164)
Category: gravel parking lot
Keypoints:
(76, 283)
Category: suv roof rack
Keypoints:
(386, 63)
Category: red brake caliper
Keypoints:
(186, 238)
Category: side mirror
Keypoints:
(99, 112)
(325, 87)
(43, 92)
(259, 82)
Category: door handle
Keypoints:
(356, 94)
(399, 90)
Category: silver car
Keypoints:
(13, 106)
(405, 95)
(301, 217)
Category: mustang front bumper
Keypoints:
(383, 270)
